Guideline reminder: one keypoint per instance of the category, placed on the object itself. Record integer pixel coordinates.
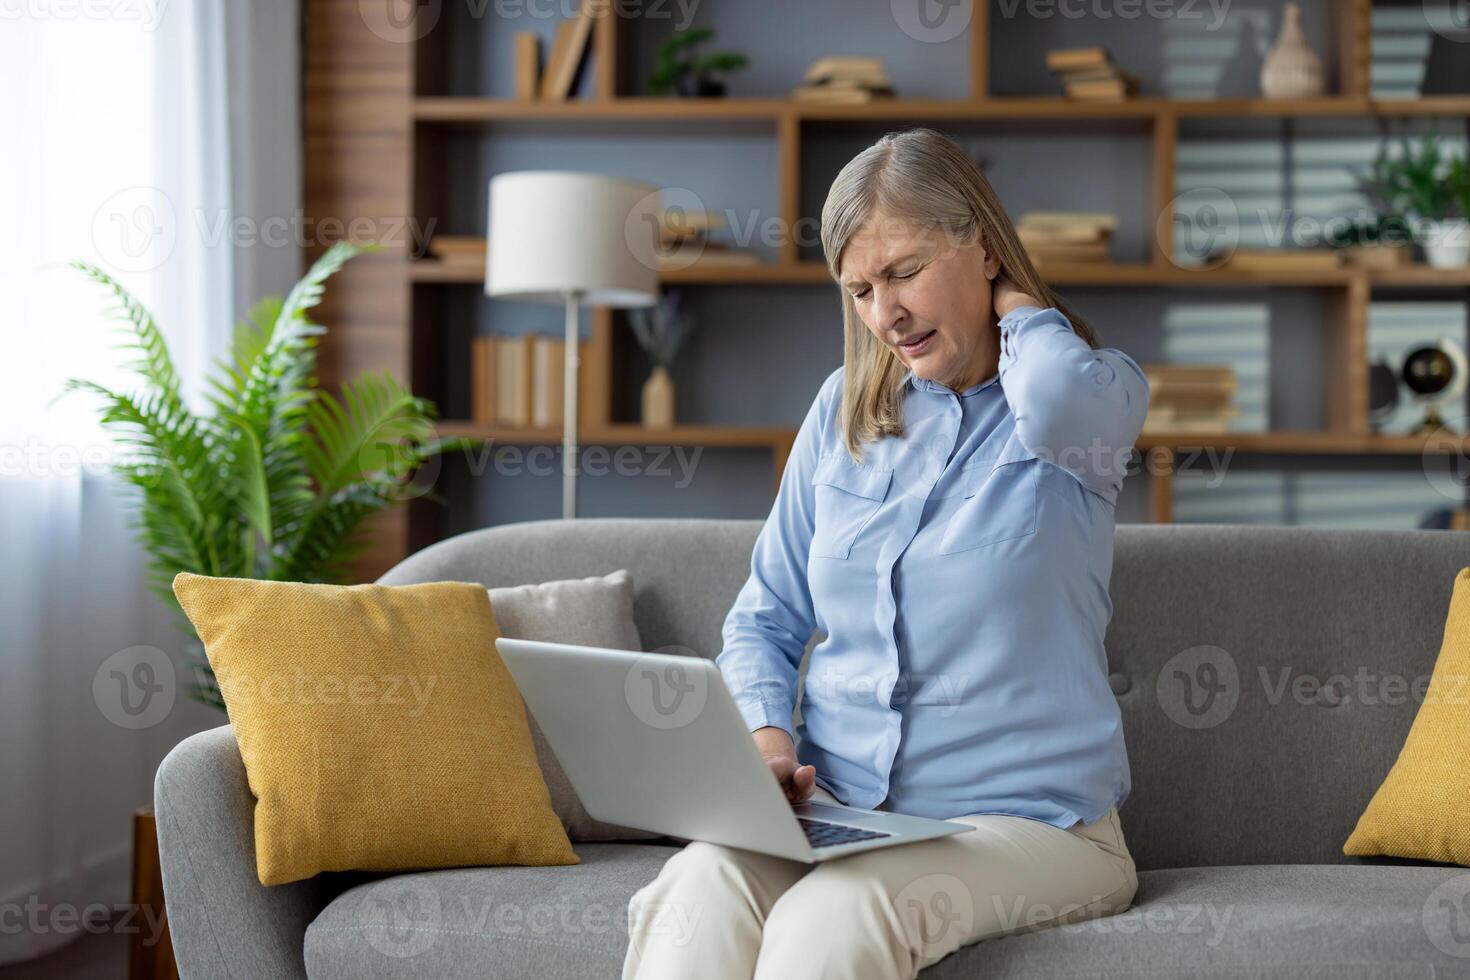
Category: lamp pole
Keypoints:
(569, 408)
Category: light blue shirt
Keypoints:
(960, 574)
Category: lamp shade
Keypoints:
(555, 232)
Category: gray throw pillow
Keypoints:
(597, 612)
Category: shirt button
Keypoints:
(1118, 682)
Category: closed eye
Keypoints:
(865, 292)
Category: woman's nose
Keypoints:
(887, 307)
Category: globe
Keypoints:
(1428, 371)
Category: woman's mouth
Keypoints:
(919, 344)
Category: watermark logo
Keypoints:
(1448, 18)
(400, 918)
(663, 693)
(938, 910)
(400, 21)
(1199, 687)
(1103, 10)
(1446, 916)
(135, 229)
(670, 208)
(1444, 460)
(135, 688)
(1206, 227)
(932, 21)
(147, 14)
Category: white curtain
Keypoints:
(150, 139)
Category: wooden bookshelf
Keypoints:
(1099, 274)
(377, 147)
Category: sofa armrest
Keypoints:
(223, 922)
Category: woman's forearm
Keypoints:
(774, 741)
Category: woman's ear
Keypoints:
(991, 263)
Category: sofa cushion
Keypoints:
(515, 922)
(1301, 921)
(1271, 920)
(596, 611)
(378, 726)
(1422, 810)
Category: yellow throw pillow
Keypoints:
(1420, 810)
(379, 727)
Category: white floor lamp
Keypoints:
(576, 239)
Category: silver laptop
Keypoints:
(654, 741)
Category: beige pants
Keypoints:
(717, 912)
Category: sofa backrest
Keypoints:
(1267, 676)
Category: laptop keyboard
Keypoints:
(820, 833)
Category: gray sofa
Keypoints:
(1251, 667)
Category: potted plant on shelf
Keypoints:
(1418, 185)
(660, 331)
(688, 74)
(274, 481)
(1455, 245)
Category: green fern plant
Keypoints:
(274, 482)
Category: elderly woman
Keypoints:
(946, 520)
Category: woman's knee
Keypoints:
(810, 910)
(691, 875)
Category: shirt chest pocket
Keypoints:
(999, 505)
(847, 494)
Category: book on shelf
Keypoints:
(678, 225)
(844, 80)
(686, 254)
(482, 380)
(1062, 252)
(1076, 59)
(1105, 220)
(1067, 236)
(1115, 89)
(841, 94)
(528, 65)
(1169, 419)
(458, 249)
(548, 377)
(1286, 259)
(1062, 234)
(862, 69)
(520, 381)
(1377, 256)
(1194, 398)
(513, 380)
(1088, 74)
(567, 52)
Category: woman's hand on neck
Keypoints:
(1007, 296)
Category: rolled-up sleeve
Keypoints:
(1077, 407)
(767, 629)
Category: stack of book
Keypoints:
(568, 50)
(1090, 75)
(684, 239)
(844, 80)
(519, 381)
(1190, 398)
(1067, 236)
(458, 250)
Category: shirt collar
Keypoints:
(923, 384)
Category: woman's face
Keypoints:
(926, 298)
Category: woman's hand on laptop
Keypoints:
(797, 781)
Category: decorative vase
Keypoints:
(1291, 69)
(1447, 243)
(658, 400)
